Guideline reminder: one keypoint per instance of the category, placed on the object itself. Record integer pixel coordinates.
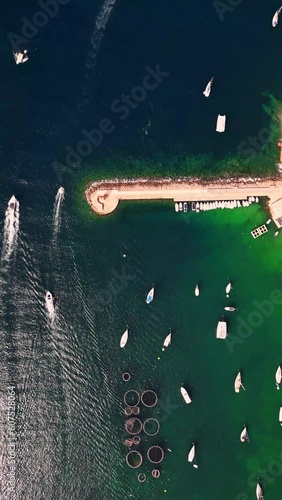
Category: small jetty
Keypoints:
(259, 231)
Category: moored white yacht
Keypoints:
(185, 206)
(259, 493)
(167, 341)
(220, 123)
(20, 56)
(124, 339)
(230, 308)
(278, 377)
(221, 330)
(185, 395)
(197, 290)
(207, 90)
(176, 207)
(280, 415)
(150, 295)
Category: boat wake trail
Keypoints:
(95, 42)
(11, 229)
(57, 213)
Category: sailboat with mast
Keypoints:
(238, 383)
(244, 436)
(124, 339)
(278, 377)
(150, 295)
(259, 493)
(167, 341)
(207, 90)
(192, 456)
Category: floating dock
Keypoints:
(259, 231)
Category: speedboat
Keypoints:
(275, 17)
(197, 291)
(278, 377)
(244, 435)
(49, 303)
(61, 190)
(230, 308)
(220, 123)
(228, 289)
(176, 207)
(185, 395)
(150, 295)
(259, 492)
(280, 415)
(124, 339)
(13, 211)
(185, 207)
(276, 234)
(207, 90)
(167, 341)
(221, 330)
(238, 383)
(20, 56)
(192, 456)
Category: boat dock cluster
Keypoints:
(213, 205)
(135, 428)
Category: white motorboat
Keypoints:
(276, 234)
(244, 435)
(197, 206)
(193, 206)
(13, 211)
(167, 341)
(238, 203)
(228, 289)
(220, 123)
(185, 207)
(61, 190)
(268, 221)
(207, 90)
(230, 308)
(180, 206)
(259, 493)
(197, 291)
(221, 330)
(275, 18)
(278, 377)
(185, 395)
(201, 206)
(257, 199)
(49, 303)
(124, 339)
(192, 456)
(280, 415)
(20, 56)
(150, 295)
(238, 383)
(176, 207)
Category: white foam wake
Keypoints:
(98, 33)
(11, 228)
(57, 210)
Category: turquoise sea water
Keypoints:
(68, 377)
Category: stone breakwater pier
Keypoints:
(104, 196)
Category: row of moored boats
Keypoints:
(213, 205)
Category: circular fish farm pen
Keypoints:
(156, 473)
(128, 442)
(131, 398)
(149, 398)
(128, 411)
(136, 440)
(134, 459)
(141, 477)
(126, 377)
(133, 426)
(155, 454)
(151, 427)
(135, 410)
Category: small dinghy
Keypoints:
(20, 56)
(238, 383)
(228, 289)
(259, 492)
(221, 330)
(278, 377)
(185, 395)
(207, 90)
(197, 291)
(280, 416)
(167, 341)
(244, 435)
(192, 456)
(150, 296)
(276, 18)
(220, 123)
(124, 339)
(230, 308)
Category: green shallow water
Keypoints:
(176, 251)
